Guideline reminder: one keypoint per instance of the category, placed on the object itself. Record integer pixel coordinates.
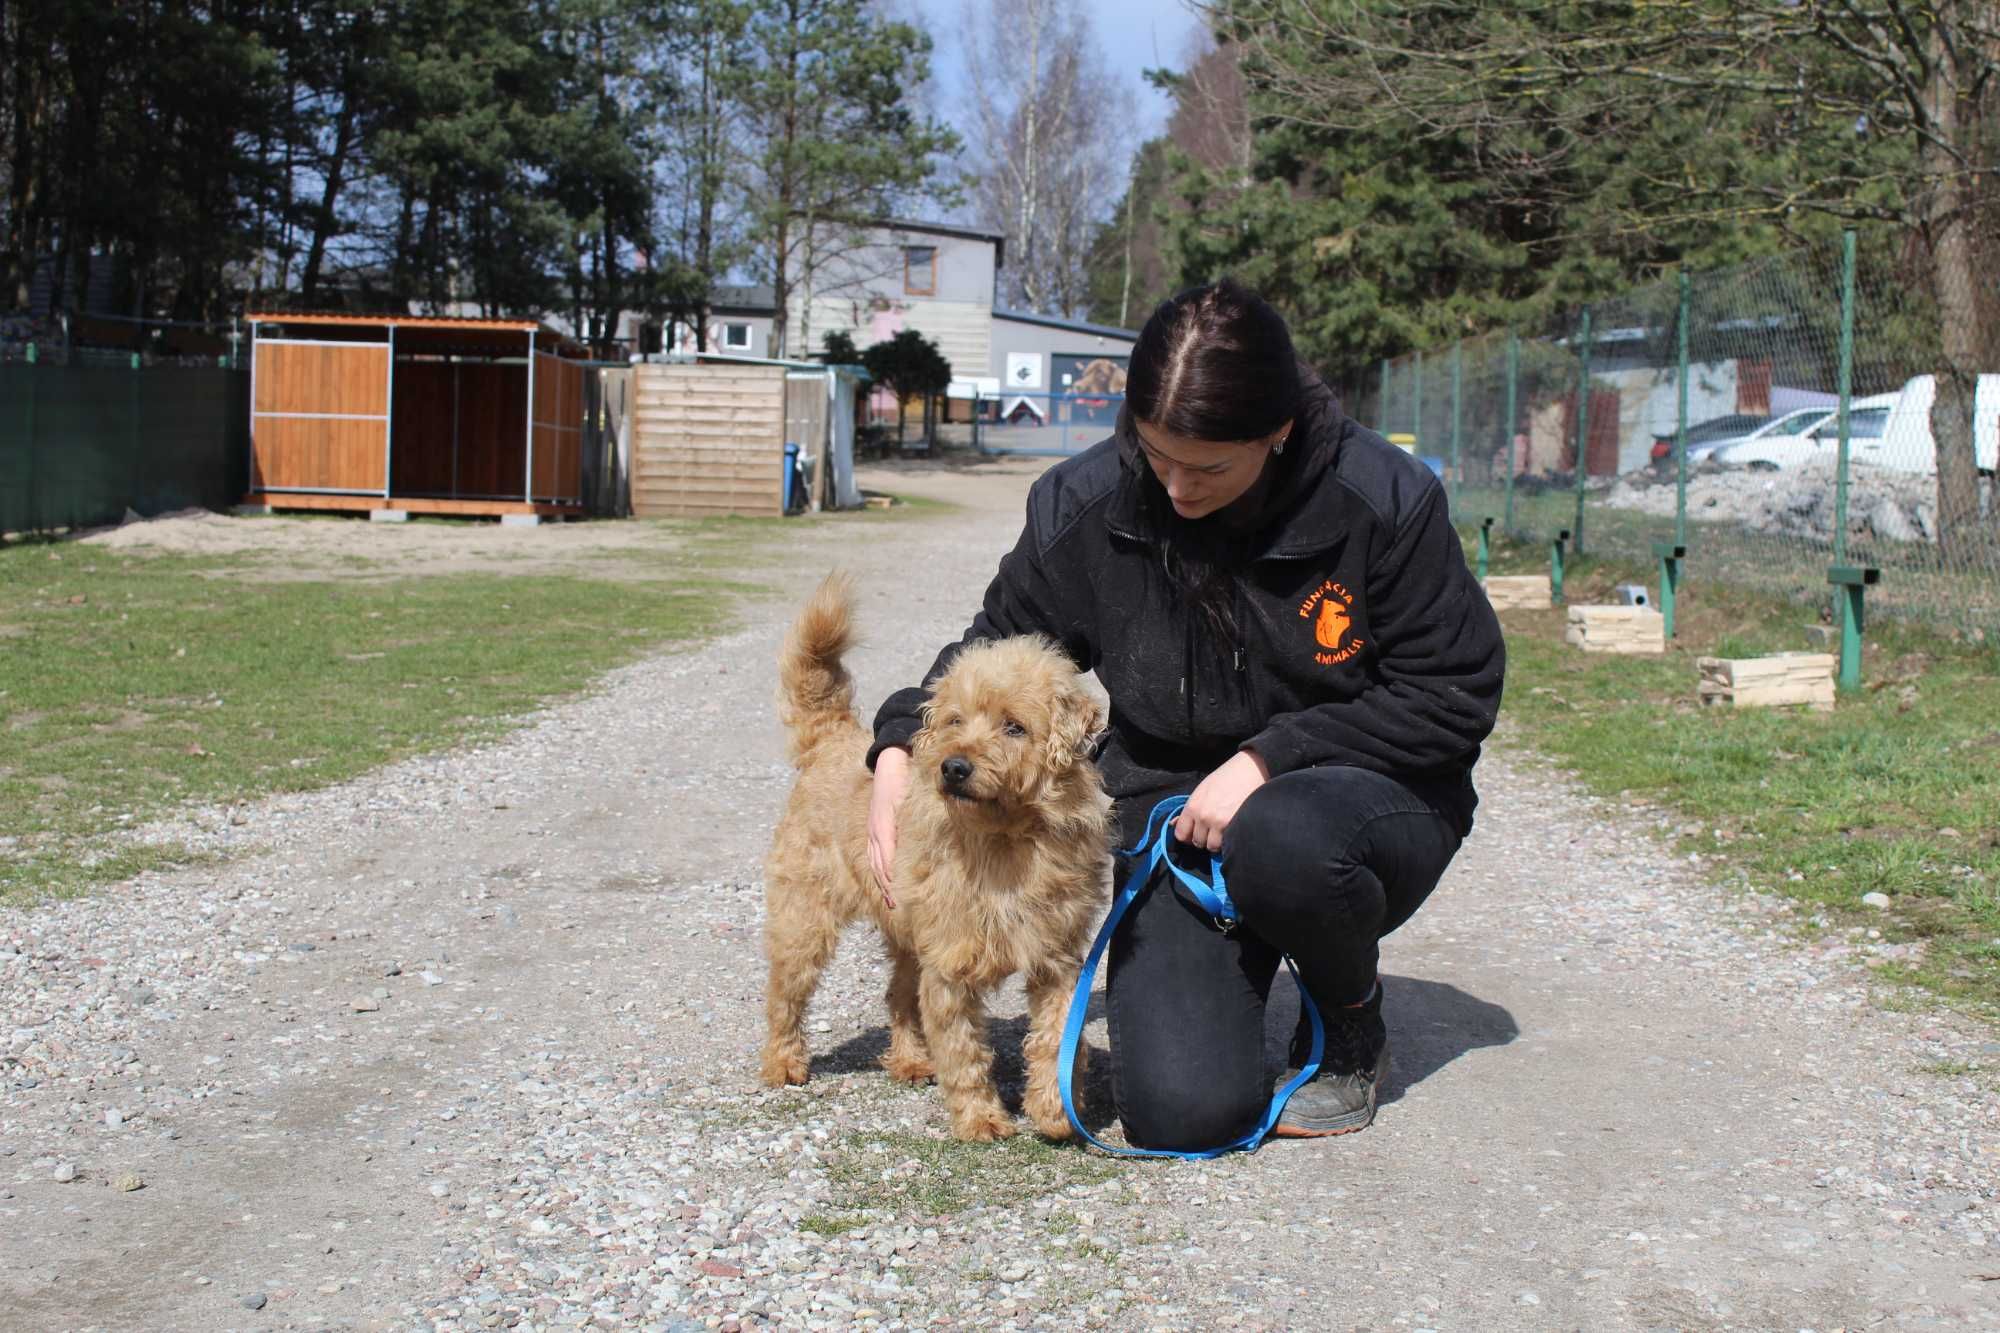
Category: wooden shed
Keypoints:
(421, 414)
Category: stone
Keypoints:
(256, 1300)
(365, 1004)
(65, 1172)
(1877, 900)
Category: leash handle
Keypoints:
(1214, 899)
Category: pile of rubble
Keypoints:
(1799, 501)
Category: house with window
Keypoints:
(936, 278)
(739, 322)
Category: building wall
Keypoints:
(862, 294)
(1014, 340)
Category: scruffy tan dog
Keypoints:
(1001, 847)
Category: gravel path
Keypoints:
(471, 1043)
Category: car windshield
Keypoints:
(1795, 423)
(1724, 428)
(1864, 423)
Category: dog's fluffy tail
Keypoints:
(815, 693)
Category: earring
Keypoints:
(1278, 448)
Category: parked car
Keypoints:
(1767, 451)
(1783, 441)
(1906, 444)
(1705, 435)
(1888, 430)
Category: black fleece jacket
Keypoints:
(1360, 636)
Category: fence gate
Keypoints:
(319, 416)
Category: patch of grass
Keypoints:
(906, 1174)
(832, 1224)
(1897, 791)
(136, 683)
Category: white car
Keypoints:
(1799, 437)
(1779, 442)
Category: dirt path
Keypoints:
(470, 1043)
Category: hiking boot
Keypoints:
(1341, 1096)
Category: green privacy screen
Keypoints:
(79, 445)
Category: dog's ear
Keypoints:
(1077, 721)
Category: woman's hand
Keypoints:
(1205, 818)
(892, 779)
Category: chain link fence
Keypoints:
(1713, 420)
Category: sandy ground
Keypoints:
(471, 1042)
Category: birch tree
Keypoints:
(1050, 145)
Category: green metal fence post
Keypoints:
(33, 504)
(1582, 429)
(1417, 410)
(1513, 424)
(1849, 581)
(1556, 565)
(1485, 545)
(1681, 417)
(132, 400)
(1457, 396)
(1672, 553)
(1382, 409)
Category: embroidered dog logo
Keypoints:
(1333, 625)
(1330, 608)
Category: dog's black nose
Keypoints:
(956, 769)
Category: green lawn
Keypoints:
(130, 684)
(1897, 791)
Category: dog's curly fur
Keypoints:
(998, 870)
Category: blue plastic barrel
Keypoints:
(791, 473)
(1434, 463)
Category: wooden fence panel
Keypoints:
(707, 439)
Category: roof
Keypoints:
(1073, 325)
(999, 239)
(400, 321)
(760, 300)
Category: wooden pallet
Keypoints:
(1782, 680)
(1617, 629)
(1524, 592)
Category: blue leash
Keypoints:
(1213, 898)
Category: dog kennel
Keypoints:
(422, 414)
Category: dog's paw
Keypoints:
(783, 1067)
(983, 1126)
(909, 1068)
(1055, 1129)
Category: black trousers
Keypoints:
(1321, 863)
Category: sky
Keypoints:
(1133, 35)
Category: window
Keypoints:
(920, 270)
(736, 337)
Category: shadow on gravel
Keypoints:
(1432, 1023)
(863, 1053)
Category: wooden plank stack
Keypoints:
(1781, 680)
(1526, 592)
(1617, 629)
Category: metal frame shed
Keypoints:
(421, 413)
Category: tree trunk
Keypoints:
(323, 216)
(1959, 285)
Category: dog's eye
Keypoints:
(950, 722)
(1014, 728)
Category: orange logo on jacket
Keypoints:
(1331, 609)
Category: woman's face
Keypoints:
(1202, 476)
